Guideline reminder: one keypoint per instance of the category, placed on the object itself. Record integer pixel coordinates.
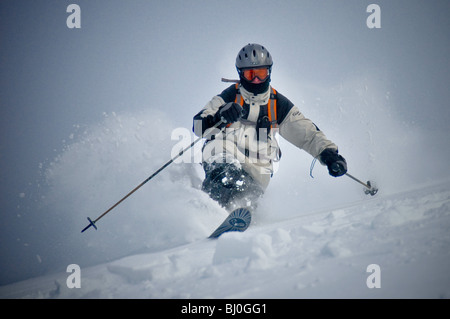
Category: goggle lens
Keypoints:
(250, 74)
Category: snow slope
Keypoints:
(309, 238)
(319, 255)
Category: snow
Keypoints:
(154, 244)
(322, 255)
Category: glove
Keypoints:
(337, 166)
(230, 112)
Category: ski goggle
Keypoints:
(251, 74)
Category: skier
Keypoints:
(238, 156)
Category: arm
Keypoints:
(303, 133)
(209, 115)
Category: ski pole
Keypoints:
(371, 189)
(208, 132)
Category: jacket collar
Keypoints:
(260, 99)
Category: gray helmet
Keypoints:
(253, 55)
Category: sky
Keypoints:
(381, 94)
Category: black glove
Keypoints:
(337, 166)
(230, 112)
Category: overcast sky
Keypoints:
(169, 55)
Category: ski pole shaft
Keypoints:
(208, 132)
(372, 189)
(357, 180)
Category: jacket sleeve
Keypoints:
(303, 133)
(207, 117)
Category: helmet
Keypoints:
(253, 56)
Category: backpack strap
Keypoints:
(272, 109)
(239, 99)
(271, 105)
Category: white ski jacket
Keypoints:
(240, 141)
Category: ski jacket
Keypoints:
(257, 150)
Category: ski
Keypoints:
(238, 220)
